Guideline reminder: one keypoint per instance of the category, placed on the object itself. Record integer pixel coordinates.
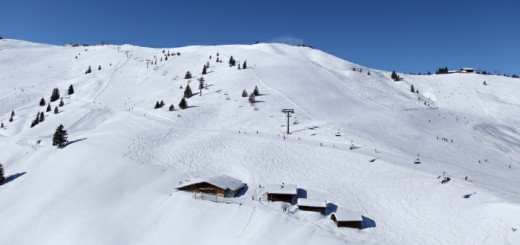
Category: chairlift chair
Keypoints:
(418, 160)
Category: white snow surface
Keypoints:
(343, 214)
(312, 202)
(114, 183)
(222, 181)
(286, 189)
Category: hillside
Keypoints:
(115, 182)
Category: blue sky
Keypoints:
(401, 35)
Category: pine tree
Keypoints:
(55, 94)
(49, 107)
(89, 70)
(252, 98)
(2, 125)
(412, 89)
(239, 66)
(255, 92)
(207, 64)
(244, 66)
(42, 102)
(157, 105)
(183, 104)
(244, 93)
(188, 75)
(2, 174)
(61, 103)
(60, 137)
(71, 90)
(42, 117)
(11, 119)
(56, 110)
(172, 108)
(394, 76)
(204, 70)
(232, 61)
(99, 68)
(36, 120)
(187, 92)
(161, 104)
(201, 85)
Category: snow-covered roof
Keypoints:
(343, 214)
(221, 181)
(286, 189)
(312, 203)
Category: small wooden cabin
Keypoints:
(313, 205)
(346, 218)
(281, 192)
(222, 185)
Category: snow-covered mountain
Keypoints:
(357, 135)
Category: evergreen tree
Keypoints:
(252, 98)
(11, 119)
(42, 117)
(89, 70)
(244, 66)
(239, 66)
(162, 103)
(71, 90)
(42, 102)
(183, 104)
(187, 92)
(232, 61)
(36, 120)
(61, 103)
(49, 107)
(55, 94)
(412, 89)
(204, 70)
(171, 108)
(12, 113)
(207, 64)
(188, 75)
(255, 92)
(99, 67)
(2, 174)
(60, 137)
(157, 105)
(56, 110)
(394, 76)
(2, 125)
(201, 85)
(244, 93)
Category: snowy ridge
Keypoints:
(354, 145)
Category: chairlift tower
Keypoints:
(288, 111)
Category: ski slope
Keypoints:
(115, 182)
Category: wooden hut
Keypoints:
(313, 205)
(346, 218)
(281, 192)
(222, 185)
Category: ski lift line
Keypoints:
(279, 93)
